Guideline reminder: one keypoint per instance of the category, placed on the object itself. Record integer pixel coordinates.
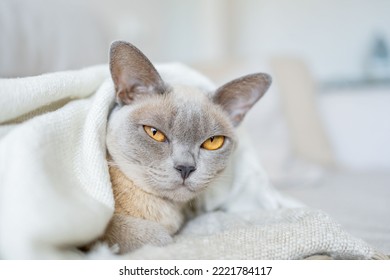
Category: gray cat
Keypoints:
(166, 143)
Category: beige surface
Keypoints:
(297, 91)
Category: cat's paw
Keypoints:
(131, 233)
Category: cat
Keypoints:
(166, 143)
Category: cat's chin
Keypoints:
(182, 193)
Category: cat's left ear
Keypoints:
(239, 95)
(132, 72)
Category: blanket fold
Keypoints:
(54, 184)
(55, 190)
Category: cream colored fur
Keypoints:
(140, 216)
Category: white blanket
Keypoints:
(55, 191)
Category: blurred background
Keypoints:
(322, 132)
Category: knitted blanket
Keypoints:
(277, 234)
(55, 190)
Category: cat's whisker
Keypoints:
(227, 177)
(151, 167)
(157, 173)
(154, 168)
(131, 159)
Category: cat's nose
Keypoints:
(185, 170)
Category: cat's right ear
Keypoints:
(132, 72)
(239, 95)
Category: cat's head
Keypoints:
(172, 140)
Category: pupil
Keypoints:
(211, 139)
(154, 131)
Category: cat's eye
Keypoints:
(213, 143)
(155, 133)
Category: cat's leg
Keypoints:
(130, 233)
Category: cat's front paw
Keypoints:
(131, 233)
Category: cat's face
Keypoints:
(173, 162)
(173, 140)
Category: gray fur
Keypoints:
(187, 118)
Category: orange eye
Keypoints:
(213, 143)
(155, 134)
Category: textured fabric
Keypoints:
(54, 183)
(277, 234)
(55, 190)
(361, 205)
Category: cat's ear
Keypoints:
(132, 72)
(239, 95)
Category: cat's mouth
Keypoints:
(193, 189)
(184, 185)
(183, 191)
(187, 186)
